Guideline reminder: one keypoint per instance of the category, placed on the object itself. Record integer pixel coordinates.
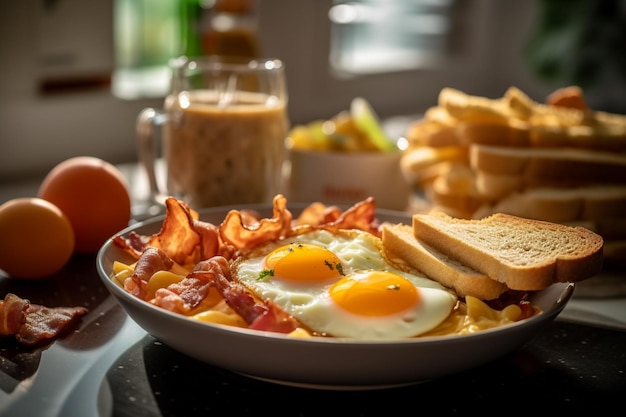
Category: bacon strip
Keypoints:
(12, 314)
(361, 215)
(215, 272)
(237, 229)
(43, 323)
(218, 271)
(317, 213)
(34, 324)
(274, 319)
(187, 294)
(260, 315)
(152, 260)
(183, 237)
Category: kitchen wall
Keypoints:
(38, 130)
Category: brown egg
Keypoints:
(94, 196)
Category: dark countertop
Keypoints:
(108, 366)
(566, 368)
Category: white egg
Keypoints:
(340, 285)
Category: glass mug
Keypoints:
(224, 125)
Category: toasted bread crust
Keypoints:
(524, 254)
(400, 240)
(601, 203)
(543, 165)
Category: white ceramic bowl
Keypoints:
(330, 363)
(347, 177)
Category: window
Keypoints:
(147, 33)
(366, 37)
(374, 36)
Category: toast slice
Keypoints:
(399, 240)
(559, 205)
(550, 165)
(522, 253)
(421, 164)
(516, 133)
(456, 189)
(517, 120)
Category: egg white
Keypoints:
(313, 306)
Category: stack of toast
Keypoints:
(487, 257)
(557, 161)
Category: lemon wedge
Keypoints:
(366, 119)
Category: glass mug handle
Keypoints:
(148, 120)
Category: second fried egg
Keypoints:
(339, 284)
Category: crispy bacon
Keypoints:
(183, 237)
(152, 260)
(187, 294)
(361, 216)
(238, 229)
(316, 214)
(134, 243)
(34, 324)
(235, 295)
(274, 319)
(215, 272)
(12, 314)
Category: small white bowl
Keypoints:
(344, 178)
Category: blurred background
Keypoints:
(74, 74)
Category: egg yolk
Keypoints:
(374, 293)
(304, 263)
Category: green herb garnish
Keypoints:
(265, 274)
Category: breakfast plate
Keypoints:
(325, 363)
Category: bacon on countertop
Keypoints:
(34, 324)
(12, 314)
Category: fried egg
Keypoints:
(339, 284)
